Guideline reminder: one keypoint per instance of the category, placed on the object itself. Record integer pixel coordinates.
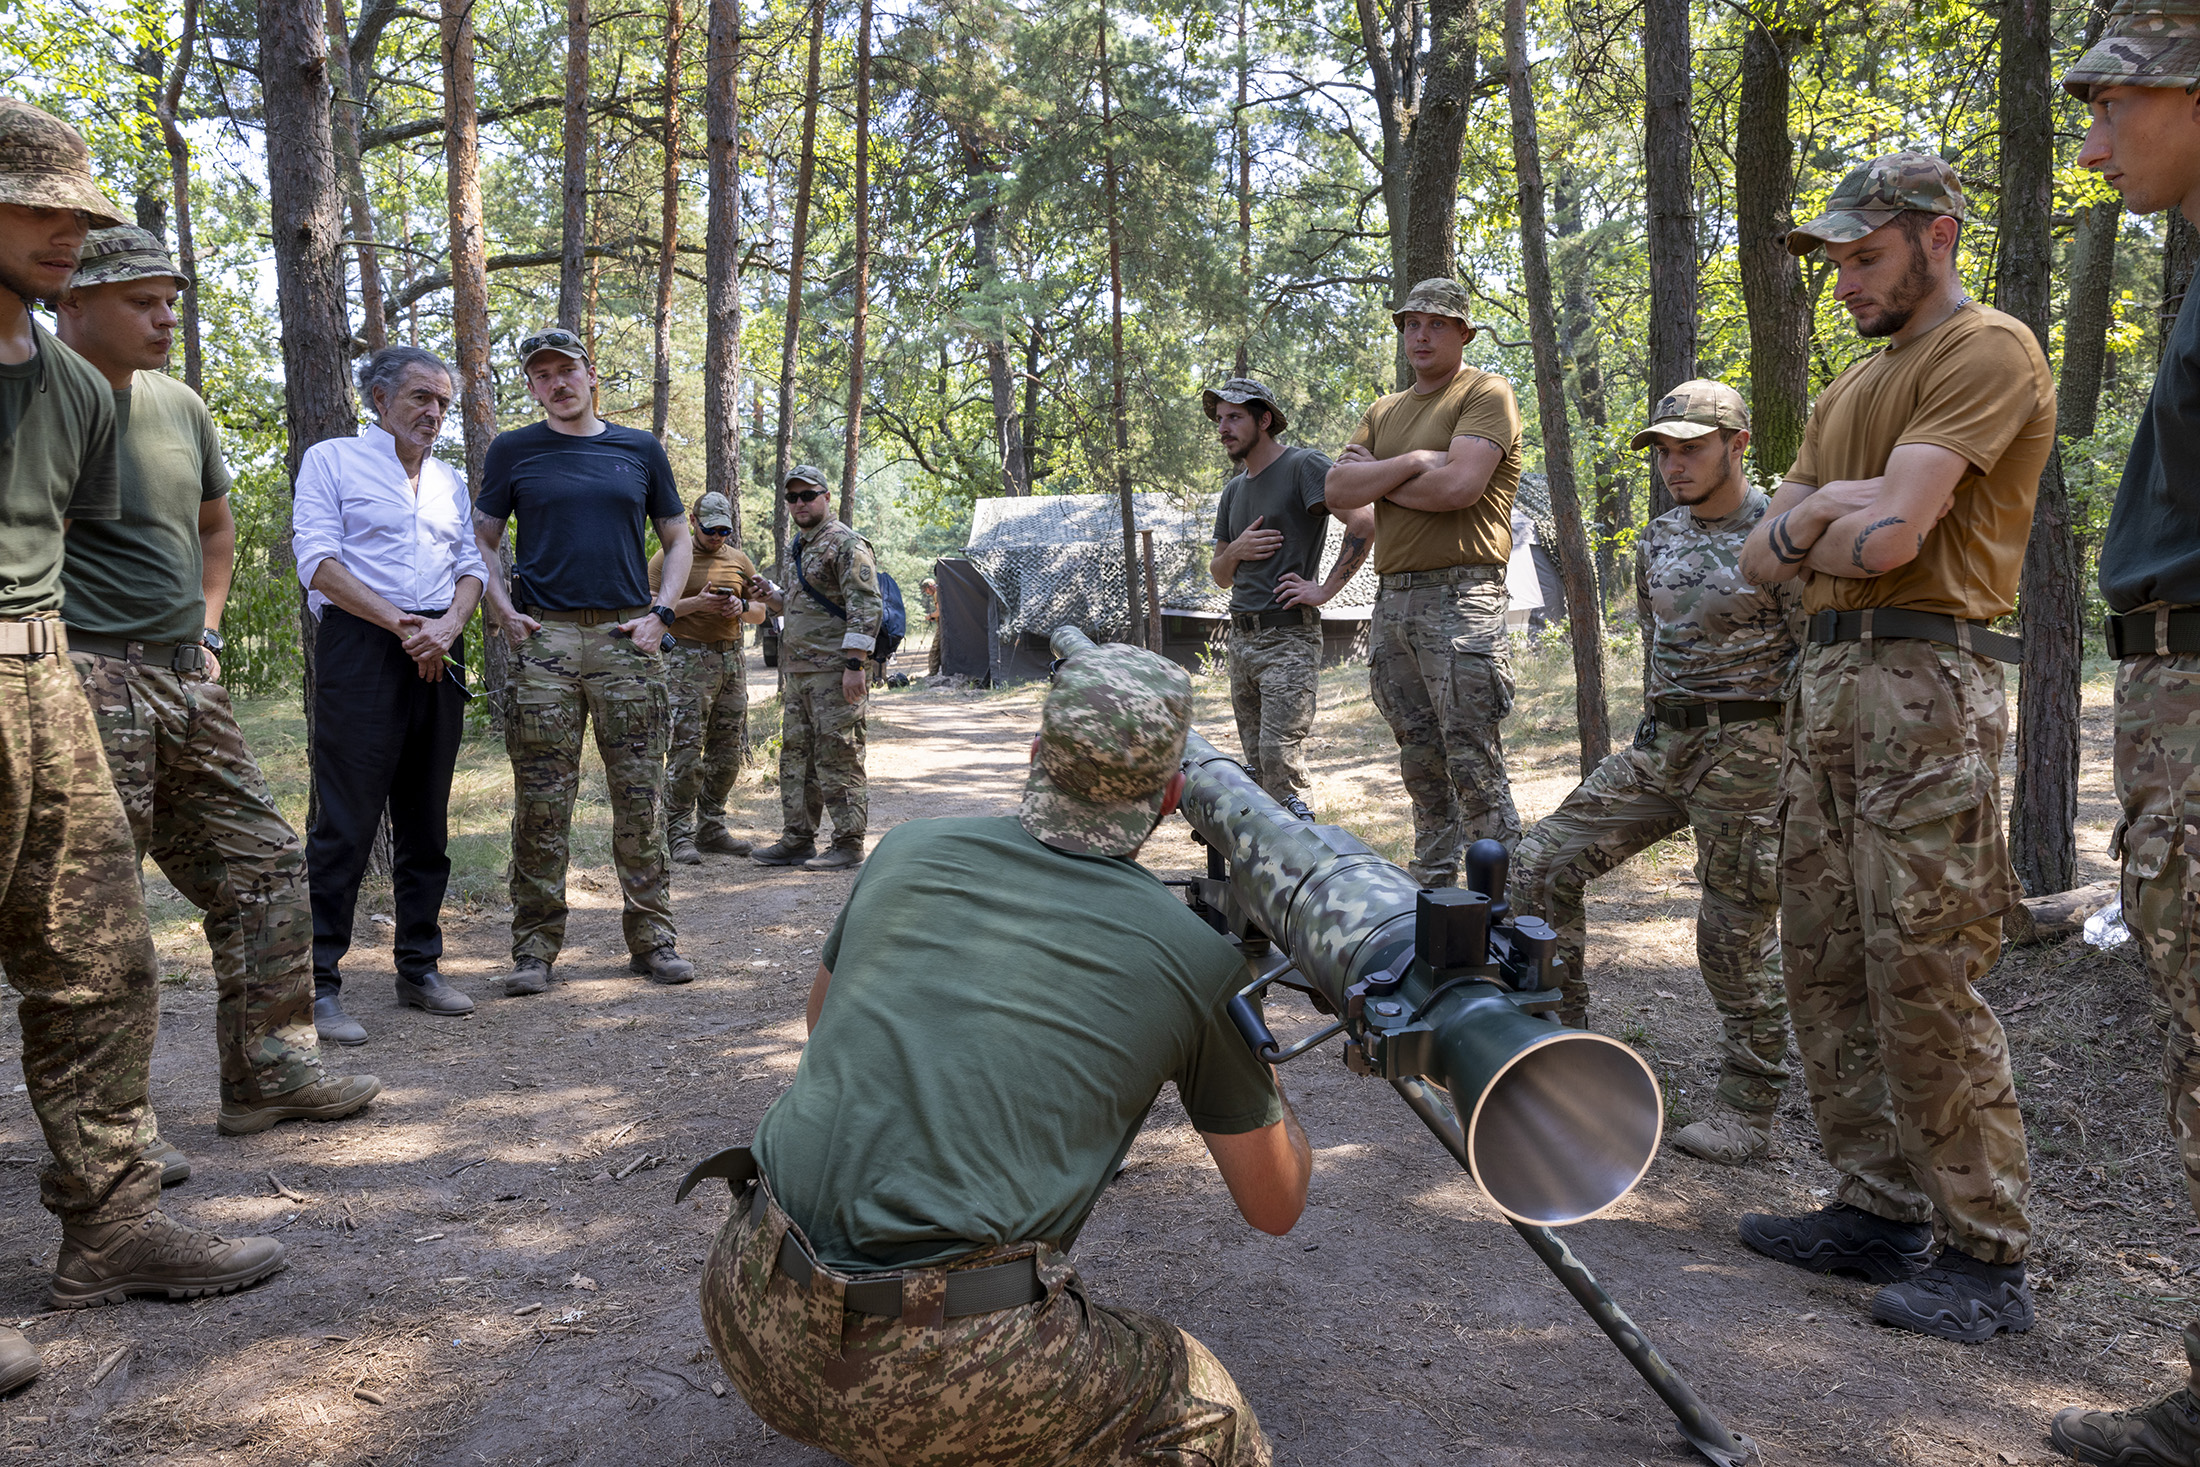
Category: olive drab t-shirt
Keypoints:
(58, 464)
(1001, 1016)
(1287, 497)
(1473, 404)
(1977, 385)
(1717, 638)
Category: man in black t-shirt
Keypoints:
(1269, 532)
(588, 635)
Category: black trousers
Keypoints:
(382, 738)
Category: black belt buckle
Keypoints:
(1825, 627)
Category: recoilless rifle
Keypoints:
(1449, 995)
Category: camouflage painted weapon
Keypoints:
(1448, 995)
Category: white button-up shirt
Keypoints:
(354, 505)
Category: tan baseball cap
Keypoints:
(557, 339)
(1691, 410)
(714, 511)
(44, 164)
(1875, 192)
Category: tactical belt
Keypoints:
(1291, 616)
(1449, 575)
(725, 644)
(175, 656)
(1686, 716)
(2153, 633)
(37, 637)
(1829, 626)
(587, 618)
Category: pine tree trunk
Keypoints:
(722, 261)
(1577, 340)
(1439, 143)
(179, 179)
(1772, 278)
(1584, 623)
(1669, 188)
(1119, 409)
(572, 266)
(985, 225)
(470, 284)
(860, 327)
(668, 237)
(2180, 252)
(2092, 283)
(373, 331)
(804, 177)
(1244, 198)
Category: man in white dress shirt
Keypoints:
(384, 539)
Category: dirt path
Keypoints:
(526, 1157)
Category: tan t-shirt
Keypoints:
(1474, 404)
(725, 566)
(1977, 385)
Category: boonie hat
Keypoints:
(2147, 43)
(714, 511)
(125, 253)
(1694, 408)
(557, 339)
(1242, 390)
(1112, 734)
(1437, 296)
(1874, 192)
(807, 474)
(44, 164)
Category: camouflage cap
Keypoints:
(807, 474)
(1112, 734)
(1437, 297)
(125, 253)
(2147, 43)
(1242, 390)
(1875, 192)
(714, 511)
(44, 164)
(1694, 408)
(557, 339)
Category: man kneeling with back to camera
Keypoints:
(894, 1286)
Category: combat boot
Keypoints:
(2163, 1434)
(528, 975)
(784, 852)
(1959, 1298)
(842, 855)
(330, 1098)
(104, 1263)
(174, 1165)
(1728, 1138)
(684, 851)
(1842, 1239)
(662, 965)
(717, 839)
(19, 1360)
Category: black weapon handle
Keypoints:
(1254, 1028)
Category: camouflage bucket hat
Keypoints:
(714, 511)
(805, 474)
(1112, 734)
(1437, 297)
(2147, 43)
(114, 256)
(1242, 390)
(44, 164)
(1691, 410)
(557, 339)
(1874, 192)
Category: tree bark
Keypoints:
(668, 244)
(1668, 149)
(1772, 278)
(985, 224)
(1119, 409)
(1244, 198)
(469, 281)
(2180, 252)
(573, 270)
(1439, 142)
(373, 330)
(1584, 623)
(1577, 340)
(2092, 282)
(179, 180)
(2044, 810)
(860, 327)
(804, 177)
(722, 261)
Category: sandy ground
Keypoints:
(487, 1267)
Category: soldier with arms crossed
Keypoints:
(894, 1286)
(1440, 463)
(706, 684)
(1908, 508)
(2140, 82)
(1269, 530)
(1707, 758)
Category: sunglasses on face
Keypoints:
(720, 532)
(804, 496)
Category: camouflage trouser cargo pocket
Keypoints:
(1916, 828)
(2161, 880)
(541, 719)
(1738, 856)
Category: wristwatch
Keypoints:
(663, 614)
(853, 664)
(211, 640)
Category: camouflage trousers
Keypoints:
(1723, 782)
(1275, 676)
(1060, 1382)
(821, 760)
(75, 946)
(1440, 672)
(566, 676)
(2158, 783)
(1893, 879)
(708, 693)
(197, 804)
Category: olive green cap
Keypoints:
(1694, 408)
(44, 164)
(1110, 737)
(1875, 192)
(807, 474)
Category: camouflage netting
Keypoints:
(1055, 558)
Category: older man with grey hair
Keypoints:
(384, 539)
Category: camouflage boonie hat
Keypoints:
(1874, 192)
(125, 253)
(557, 339)
(714, 511)
(44, 164)
(806, 474)
(1242, 390)
(2146, 44)
(1112, 734)
(1437, 297)
(1694, 408)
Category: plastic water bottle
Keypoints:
(2105, 928)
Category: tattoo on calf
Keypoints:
(1856, 552)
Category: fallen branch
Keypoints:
(277, 1183)
(107, 1366)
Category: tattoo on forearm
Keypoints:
(1856, 552)
(1353, 551)
(1782, 545)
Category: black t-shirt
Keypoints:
(582, 505)
(2152, 549)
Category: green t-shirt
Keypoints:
(139, 576)
(1288, 495)
(1001, 1016)
(58, 464)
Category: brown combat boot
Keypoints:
(843, 855)
(174, 1165)
(718, 839)
(104, 1263)
(683, 851)
(2163, 1433)
(1728, 1137)
(330, 1098)
(19, 1360)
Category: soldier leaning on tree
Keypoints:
(1908, 507)
(706, 686)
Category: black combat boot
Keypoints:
(1959, 1298)
(1842, 1239)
